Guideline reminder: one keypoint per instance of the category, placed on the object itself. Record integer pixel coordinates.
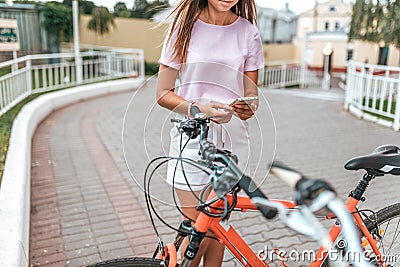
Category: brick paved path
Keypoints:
(88, 206)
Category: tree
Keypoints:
(57, 20)
(121, 10)
(376, 21)
(143, 9)
(140, 5)
(102, 21)
(86, 7)
(156, 6)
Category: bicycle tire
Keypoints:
(380, 218)
(384, 217)
(129, 262)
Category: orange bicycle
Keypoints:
(373, 237)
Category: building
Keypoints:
(32, 37)
(328, 24)
(276, 26)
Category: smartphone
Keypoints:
(244, 100)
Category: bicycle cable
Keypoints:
(150, 206)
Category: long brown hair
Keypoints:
(185, 15)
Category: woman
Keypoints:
(216, 50)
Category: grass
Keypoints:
(385, 108)
(5, 71)
(151, 68)
(6, 122)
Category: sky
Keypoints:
(297, 6)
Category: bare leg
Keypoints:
(210, 249)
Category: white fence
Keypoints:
(373, 92)
(287, 74)
(39, 73)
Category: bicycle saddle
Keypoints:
(384, 159)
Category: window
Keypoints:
(337, 26)
(327, 26)
(332, 8)
(383, 55)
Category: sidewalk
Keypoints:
(86, 208)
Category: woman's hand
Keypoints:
(244, 111)
(218, 112)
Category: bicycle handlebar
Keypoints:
(210, 153)
(311, 192)
(286, 174)
(306, 189)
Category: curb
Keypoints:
(15, 195)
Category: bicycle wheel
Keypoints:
(385, 222)
(385, 227)
(129, 262)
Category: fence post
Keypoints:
(396, 122)
(349, 85)
(108, 59)
(283, 75)
(29, 75)
(142, 67)
(14, 66)
(302, 75)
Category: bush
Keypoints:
(151, 68)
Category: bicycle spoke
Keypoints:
(382, 238)
(395, 237)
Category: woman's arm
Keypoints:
(167, 98)
(244, 111)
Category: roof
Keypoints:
(17, 6)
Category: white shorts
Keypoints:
(232, 136)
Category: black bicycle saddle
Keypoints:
(384, 159)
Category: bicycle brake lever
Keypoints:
(176, 120)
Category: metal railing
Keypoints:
(288, 74)
(374, 90)
(40, 73)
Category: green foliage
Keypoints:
(376, 21)
(102, 21)
(85, 7)
(6, 122)
(385, 108)
(144, 9)
(57, 21)
(121, 10)
(4, 71)
(151, 68)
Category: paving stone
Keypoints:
(100, 205)
(81, 252)
(113, 245)
(83, 261)
(83, 243)
(117, 253)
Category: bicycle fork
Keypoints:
(185, 229)
(193, 247)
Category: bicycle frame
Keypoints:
(227, 234)
(334, 232)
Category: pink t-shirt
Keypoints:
(217, 58)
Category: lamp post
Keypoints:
(327, 52)
(78, 59)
